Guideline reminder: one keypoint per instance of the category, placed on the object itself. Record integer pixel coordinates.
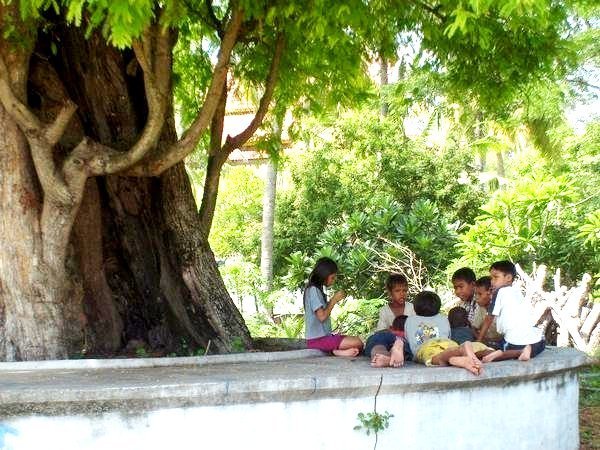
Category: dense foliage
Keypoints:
(548, 214)
(343, 199)
(366, 183)
(238, 214)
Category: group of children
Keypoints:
(492, 321)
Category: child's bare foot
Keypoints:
(347, 352)
(525, 354)
(468, 350)
(397, 357)
(492, 356)
(466, 362)
(380, 360)
(478, 365)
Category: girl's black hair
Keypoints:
(427, 304)
(324, 267)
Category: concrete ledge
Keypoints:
(137, 363)
(141, 384)
(268, 400)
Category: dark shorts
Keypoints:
(496, 345)
(386, 339)
(536, 348)
(326, 343)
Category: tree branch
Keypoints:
(218, 155)
(41, 139)
(154, 56)
(216, 159)
(237, 141)
(432, 9)
(161, 161)
(143, 58)
(54, 187)
(582, 82)
(217, 123)
(216, 23)
(55, 130)
(26, 120)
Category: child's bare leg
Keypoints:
(525, 353)
(467, 348)
(483, 353)
(462, 356)
(381, 357)
(350, 346)
(346, 352)
(443, 358)
(492, 356)
(500, 355)
(380, 360)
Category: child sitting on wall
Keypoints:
(514, 317)
(428, 335)
(317, 313)
(396, 286)
(463, 284)
(460, 328)
(461, 331)
(483, 323)
(381, 342)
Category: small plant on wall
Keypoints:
(374, 422)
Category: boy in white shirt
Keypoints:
(513, 316)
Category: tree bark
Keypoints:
(161, 274)
(136, 264)
(383, 79)
(500, 163)
(268, 216)
(268, 220)
(40, 297)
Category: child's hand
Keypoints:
(339, 295)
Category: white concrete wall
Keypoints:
(531, 414)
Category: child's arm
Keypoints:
(485, 326)
(323, 313)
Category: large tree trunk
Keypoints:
(32, 292)
(40, 296)
(160, 270)
(140, 266)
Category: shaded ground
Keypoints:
(589, 408)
